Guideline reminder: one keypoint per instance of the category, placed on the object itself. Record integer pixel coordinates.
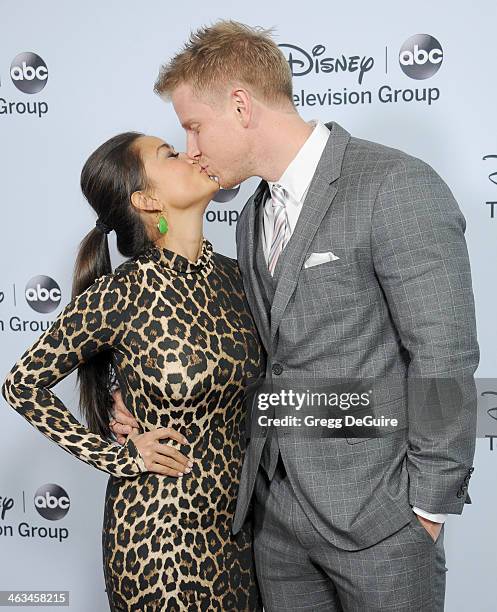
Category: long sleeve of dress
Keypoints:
(90, 323)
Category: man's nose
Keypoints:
(192, 150)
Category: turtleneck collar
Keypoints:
(180, 264)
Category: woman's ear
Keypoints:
(144, 202)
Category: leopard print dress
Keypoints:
(184, 347)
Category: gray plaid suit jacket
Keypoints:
(397, 302)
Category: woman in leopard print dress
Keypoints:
(176, 331)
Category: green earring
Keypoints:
(162, 225)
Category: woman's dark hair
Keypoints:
(109, 177)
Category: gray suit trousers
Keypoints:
(299, 570)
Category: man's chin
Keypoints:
(226, 183)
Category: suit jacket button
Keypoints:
(277, 369)
(460, 493)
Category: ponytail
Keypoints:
(94, 376)
(93, 261)
(109, 177)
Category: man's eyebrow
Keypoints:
(164, 144)
(188, 124)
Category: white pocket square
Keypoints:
(315, 259)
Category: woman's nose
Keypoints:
(185, 157)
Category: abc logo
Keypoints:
(29, 73)
(421, 56)
(43, 294)
(52, 502)
(225, 195)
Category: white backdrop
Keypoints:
(98, 64)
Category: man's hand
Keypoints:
(124, 423)
(431, 527)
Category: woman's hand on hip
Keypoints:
(162, 458)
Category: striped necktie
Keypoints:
(281, 226)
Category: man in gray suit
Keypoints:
(355, 267)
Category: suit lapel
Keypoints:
(322, 190)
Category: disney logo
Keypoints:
(493, 175)
(301, 62)
(6, 503)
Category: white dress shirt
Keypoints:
(296, 180)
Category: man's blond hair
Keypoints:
(229, 52)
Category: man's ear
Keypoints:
(144, 201)
(242, 102)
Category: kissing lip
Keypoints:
(203, 170)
